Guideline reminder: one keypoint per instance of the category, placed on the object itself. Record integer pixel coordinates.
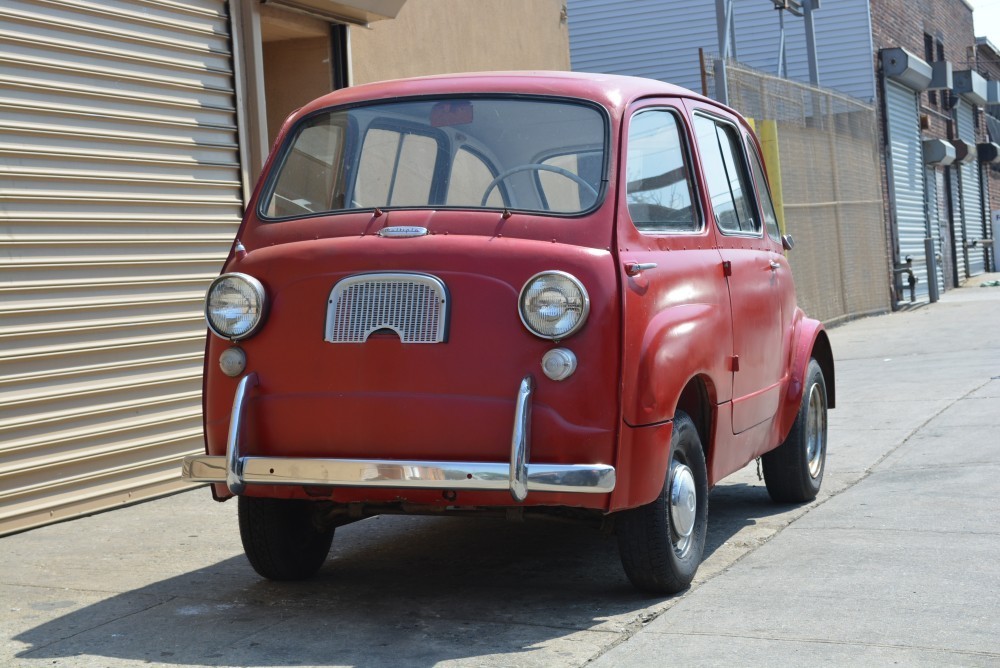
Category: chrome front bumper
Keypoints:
(518, 475)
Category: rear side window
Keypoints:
(726, 175)
(659, 189)
(469, 178)
(395, 169)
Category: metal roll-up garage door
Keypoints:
(907, 168)
(973, 230)
(934, 222)
(119, 194)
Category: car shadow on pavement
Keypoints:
(395, 590)
(734, 507)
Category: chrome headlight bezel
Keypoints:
(257, 300)
(575, 296)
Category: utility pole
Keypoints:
(803, 9)
(724, 24)
(808, 6)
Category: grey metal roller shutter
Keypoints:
(906, 162)
(935, 225)
(947, 246)
(973, 230)
(119, 194)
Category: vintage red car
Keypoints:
(515, 294)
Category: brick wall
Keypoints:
(904, 23)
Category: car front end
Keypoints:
(421, 313)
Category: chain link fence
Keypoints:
(827, 147)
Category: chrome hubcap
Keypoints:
(683, 506)
(815, 431)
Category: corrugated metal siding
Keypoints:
(843, 44)
(906, 158)
(936, 233)
(945, 225)
(119, 194)
(660, 39)
(972, 199)
(958, 214)
(647, 38)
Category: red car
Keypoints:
(513, 294)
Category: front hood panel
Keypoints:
(445, 400)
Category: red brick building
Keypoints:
(926, 52)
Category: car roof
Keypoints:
(615, 92)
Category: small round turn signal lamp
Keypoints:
(233, 361)
(559, 363)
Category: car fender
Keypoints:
(678, 344)
(809, 339)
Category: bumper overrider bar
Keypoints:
(518, 475)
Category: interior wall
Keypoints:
(296, 59)
(296, 71)
(443, 36)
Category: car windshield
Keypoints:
(525, 154)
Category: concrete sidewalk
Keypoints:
(895, 563)
(901, 567)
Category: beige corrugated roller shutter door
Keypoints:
(119, 194)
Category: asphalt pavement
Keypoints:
(894, 564)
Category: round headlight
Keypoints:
(553, 305)
(234, 306)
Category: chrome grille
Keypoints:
(415, 306)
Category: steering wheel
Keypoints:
(537, 168)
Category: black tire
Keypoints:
(657, 559)
(281, 538)
(793, 472)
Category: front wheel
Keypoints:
(793, 472)
(281, 537)
(661, 543)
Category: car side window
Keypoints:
(310, 173)
(763, 193)
(726, 174)
(659, 189)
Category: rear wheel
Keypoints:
(281, 537)
(793, 472)
(661, 543)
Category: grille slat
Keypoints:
(415, 306)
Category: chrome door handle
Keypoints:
(635, 268)
(775, 266)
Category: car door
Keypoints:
(749, 264)
(783, 283)
(675, 301)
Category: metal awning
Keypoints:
(358, 12)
